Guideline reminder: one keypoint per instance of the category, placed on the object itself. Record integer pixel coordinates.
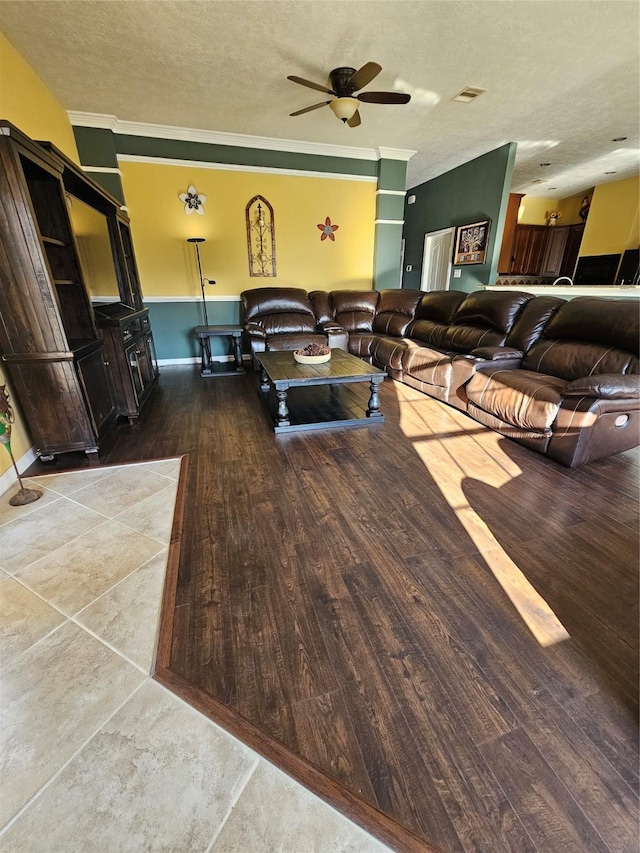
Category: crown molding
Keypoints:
(237, 140)
(394, 154)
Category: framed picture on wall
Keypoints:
(471, 243)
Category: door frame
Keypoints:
(425, 267)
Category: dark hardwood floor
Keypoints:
(333, 599)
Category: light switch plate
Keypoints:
(457, 273)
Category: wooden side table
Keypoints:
(211, 368)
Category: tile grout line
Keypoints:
(73, 619)
(63, 766)
(241, 789)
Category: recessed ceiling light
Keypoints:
(469, 93)
(545, 164)
(618, 138)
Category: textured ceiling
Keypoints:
(562, 78)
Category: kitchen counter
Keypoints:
(570, 292)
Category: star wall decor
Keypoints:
(193, 200)
(327, 230)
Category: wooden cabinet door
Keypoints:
(528, 248)
(554, 252)
(97, 389)
(572, 248)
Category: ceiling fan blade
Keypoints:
(355, 120)
(364, 75)
(311, 85)
(308, 109)
(383, 97)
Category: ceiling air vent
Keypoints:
(470, 93)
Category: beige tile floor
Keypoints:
(96, 756)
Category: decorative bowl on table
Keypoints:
(312, 354)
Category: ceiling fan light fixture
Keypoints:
(344, 108)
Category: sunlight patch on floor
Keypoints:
(442, 458)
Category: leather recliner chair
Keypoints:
(279, 318)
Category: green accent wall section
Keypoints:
(388, 236)
(392, 174)
(473, 192)
(387, 252)
(110, 181)
(96, 146)
(174, 323)
(389, 206)
(177, 149)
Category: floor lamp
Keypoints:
(196, 241)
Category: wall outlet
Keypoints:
(457, 273)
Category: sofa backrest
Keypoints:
(588, 335)
(434, 312)
(321, 301)
(484, 319)
(531, 321)
(396, 309)
(279, 310)
(354, 310)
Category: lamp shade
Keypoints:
(344, 108)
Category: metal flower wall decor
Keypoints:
(327, 229)
(193, 200)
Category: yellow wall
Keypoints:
(533, 211)
(27, 103)
(612, 224)
(570, 207)
(160, 228)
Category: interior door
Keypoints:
(436, 261)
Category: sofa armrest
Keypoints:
(255, 331)
(497, 353)
(605, 386)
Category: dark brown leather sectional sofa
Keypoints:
(560, 376)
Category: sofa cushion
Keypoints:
(355, 309)
(387, 351)
(428, 366)
(321, 302)
(588, 335)
(434, 313)
(522, 398)
(605, 386)
(396, 309)
(574, 359)
(265, 301)
(532, 320)
(483, 319)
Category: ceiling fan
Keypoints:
(344, 82)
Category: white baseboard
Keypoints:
(9, 477)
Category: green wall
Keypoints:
(473, 192)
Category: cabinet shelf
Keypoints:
(53, 241)
(64, 281)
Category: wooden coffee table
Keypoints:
(310, 408)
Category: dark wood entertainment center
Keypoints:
(73, 367)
